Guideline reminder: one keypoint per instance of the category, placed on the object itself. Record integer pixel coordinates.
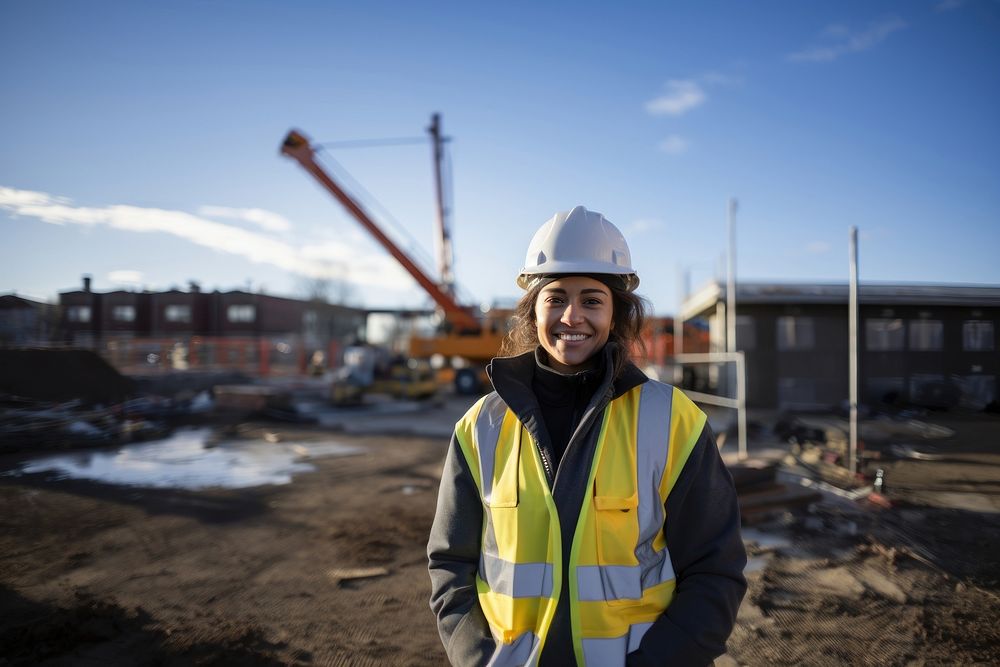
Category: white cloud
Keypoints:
(682, 95)
(674, 145)
(273, 222)
(125, 277)
(849, 41)
(716, 78)
(818, 247)
(644, 225)
(14, 197)
(330, 259)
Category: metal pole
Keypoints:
(443, 238)
(852, 319)
(679, 327)
(731, 281)
(741, 400)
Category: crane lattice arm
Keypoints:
(297, 147)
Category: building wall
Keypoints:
(24, 321)
(165, 306)
(240, 313)
(219, 328)
(116, 305)
(74, 329)
(797, 355)
(947, 375)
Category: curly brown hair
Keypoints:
(628, 316)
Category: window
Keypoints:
(926, 335)
(177, 313)
(241, 313)
(977, 335)
(882, 334)
(123, 313)
(796, 333)
(78, 313)
(746, 334)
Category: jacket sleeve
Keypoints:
(453, 559)
(703, 534)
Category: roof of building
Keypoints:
(15, 302)
(914, 294)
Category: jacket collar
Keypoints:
(554, 388)
(512, 378)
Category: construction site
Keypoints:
(187, 480)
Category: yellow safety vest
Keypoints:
(621, 578)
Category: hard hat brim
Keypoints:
(526, 281)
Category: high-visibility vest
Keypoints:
(621, 578)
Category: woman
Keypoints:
(584, 515)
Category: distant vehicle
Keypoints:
(370, 370)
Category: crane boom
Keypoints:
(297, 147)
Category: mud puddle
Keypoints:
(190, 459)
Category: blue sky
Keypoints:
(140, 140)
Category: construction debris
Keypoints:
(27, 424)
(761, 494)
(246, 400)
(342, 574)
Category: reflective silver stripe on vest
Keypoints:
(611, 652)
(622, 582)
(625, 582)
(517, 580)
(522, 651)
(487, 434)
(608, 582)
(652, 441)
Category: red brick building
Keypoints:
(144, 331)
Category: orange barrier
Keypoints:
(262, 357)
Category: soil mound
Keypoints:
(61, 375)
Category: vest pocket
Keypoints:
(505, 476)
(616, 520)
(503, 501)
(616, 503)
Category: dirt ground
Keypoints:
(330, 569)
(93, 573)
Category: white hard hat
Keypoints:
(578, 242)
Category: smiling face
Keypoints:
(573, 318)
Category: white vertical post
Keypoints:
(852, 319)
(679, 326)
(741, 400)
(731, 281)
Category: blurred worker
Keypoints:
(584, 515)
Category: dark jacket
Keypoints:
(702, 532)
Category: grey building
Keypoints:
(25, 321)
(927, 345)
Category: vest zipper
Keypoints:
(586, 422)
(546, 464)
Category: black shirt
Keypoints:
(563, 398)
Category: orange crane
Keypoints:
(465, 336)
